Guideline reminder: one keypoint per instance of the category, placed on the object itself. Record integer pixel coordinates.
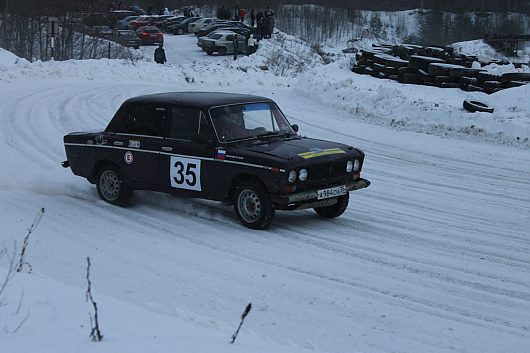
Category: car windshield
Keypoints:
(249, 121)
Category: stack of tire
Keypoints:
(434, 66)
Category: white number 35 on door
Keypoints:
(185, 173)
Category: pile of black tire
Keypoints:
(434, 66)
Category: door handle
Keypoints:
(167, 148)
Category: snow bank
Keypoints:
(6, 57)
(485, 52)
(420, 108)
(55, 316)
(503, 69)
(286, 61)
(284, 55)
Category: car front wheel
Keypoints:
(253, 205)
(334, 210)
(111, 186)
(180, 31)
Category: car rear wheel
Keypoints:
(335, 210)
(253, 205)
(111, 186)
(180, 31)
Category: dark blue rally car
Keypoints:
(235, 148)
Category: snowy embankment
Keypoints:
(408, 107)
(433, 257)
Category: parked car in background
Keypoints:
(223, 43)
(124, 23)
(150, 35)
(181, 27)
(101, 31)
(127, 38)
(213, 35)
(239, 30)
(140, 22)
(170, 21)
(194, 27)
(212, 27)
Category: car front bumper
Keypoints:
(310, 197)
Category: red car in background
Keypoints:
(150, 35)
(140, 22)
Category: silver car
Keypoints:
(223, 43)
(194, 27)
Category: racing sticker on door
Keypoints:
(185, 173)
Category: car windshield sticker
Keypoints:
(134, 144)
(317, 152)
(185, 173)
(128, 157)
(221, 154)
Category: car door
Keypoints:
(187, 167)
(141, 138)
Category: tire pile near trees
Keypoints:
(434, 66)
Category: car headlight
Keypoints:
(302, 175)
(292, 176)
(356, 165)
(349, 166)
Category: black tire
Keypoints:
(473, 88)
(439, 80)
(515, 76)
(209, 52)
(491, 86)
(475, 106)
(180, 31)
(222, 51)
(111, 186)
(253, 205)
(423, 62)
(335, 210)
(413, 79)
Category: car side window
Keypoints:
(146, 119)
(230, 38)
(184, 123)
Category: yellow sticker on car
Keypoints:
(317, 152)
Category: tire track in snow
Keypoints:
(418, 247)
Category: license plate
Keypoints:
(153, 35)
(331, 192)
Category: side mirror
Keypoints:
(294, 127)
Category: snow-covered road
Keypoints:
(433, 257)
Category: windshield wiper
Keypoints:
(246, 138)
(272, 134)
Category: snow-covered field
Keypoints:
(433, 257)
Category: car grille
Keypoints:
(327, 170)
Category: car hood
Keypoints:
(301, 149)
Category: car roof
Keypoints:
(201, 100)
(145, 28)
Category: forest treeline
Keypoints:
(455, 6)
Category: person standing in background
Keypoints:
(252, 17)
(160, 55)
(242, 14)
